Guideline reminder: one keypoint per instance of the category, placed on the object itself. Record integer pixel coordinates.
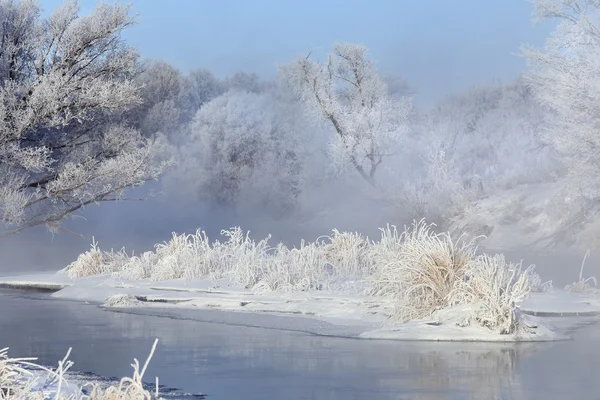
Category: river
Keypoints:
(236, 362)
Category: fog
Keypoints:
(217, 83)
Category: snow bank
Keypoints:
(561, 303)
(343, 315)
(453, 325)
(41, 282)
(418, 269)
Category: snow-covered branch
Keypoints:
(348, 93)
(65, 82)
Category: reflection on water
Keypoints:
(232, 362)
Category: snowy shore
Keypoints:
(321, 312)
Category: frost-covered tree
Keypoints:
(565, 76)
(198, 87)
(241, 149)
(65, 82)
(159, 81)
(244, 81)
(495, 133)
(349, 94)
(475, 144)
(160, 85)
(398, 87)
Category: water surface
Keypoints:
(237, 362)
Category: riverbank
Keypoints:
(322, 312)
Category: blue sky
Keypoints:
(439, 46)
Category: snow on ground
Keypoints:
(556, 302)
(41, 282)
(353, 315)
(449, 324)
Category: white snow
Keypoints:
(367, 312)
(449, 325)
(557, 302)
(44, 281)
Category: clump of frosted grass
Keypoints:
(138, 267)
(296, 269)
(347, 254)
(420, 268)
(96, 262)
(495, 287)
(242, 258)
(537, 285)
(121, 301)
(583, 284)
(426, 271)
(423, 271)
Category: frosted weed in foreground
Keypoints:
(20, 379)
